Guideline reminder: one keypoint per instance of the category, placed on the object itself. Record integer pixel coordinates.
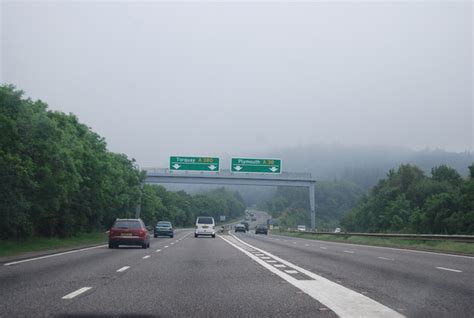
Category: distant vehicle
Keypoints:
(163, 228)
(240, 228)
(129, 232)
(301, 228)
(254, 219)
(246, 225)
(337, 230)
(247, 218)
(205, 225)
(251, 214)
(261, 229)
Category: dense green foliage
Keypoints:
(183, 209)
(57, 177)
(333, 200)
(409, 201)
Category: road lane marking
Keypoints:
(259, 254)
(123, 269)
(322, 247)
(271, 261)
(386, 258)
(158, 251)
(53, 255)
(172, 243)
(396, 249)
(291, 271)
(350, 252)
(279, 265)
(449, 269)
(146, 256)
(166, 246)
(77, 293)
(343, 301)
(265, 257)
(306, 245)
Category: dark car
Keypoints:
(240, 228)
(246, 224)
(129, 232)
(261, 229)
(163, 228)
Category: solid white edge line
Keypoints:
(76, 293)
(390, 248)
(53, 255)
(343, 301)
(449, 269)
(123, 269)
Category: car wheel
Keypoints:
(195, 235)
(155, 236)
(111, 245)
(213, 236)
(144, 245)
(171, 236)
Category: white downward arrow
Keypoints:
(238, 168)
(176, 166)
(273, 169)
(212, 167)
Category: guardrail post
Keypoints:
(312, 206)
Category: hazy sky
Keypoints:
(159, 79)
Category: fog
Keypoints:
(159, 79)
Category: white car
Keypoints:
(301, 228)
(205, 225)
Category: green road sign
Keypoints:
(194, 163)
(256, 165)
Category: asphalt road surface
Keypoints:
(243, 275)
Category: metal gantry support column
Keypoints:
(312, 206)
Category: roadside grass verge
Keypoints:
(36, 244)
(425, 245)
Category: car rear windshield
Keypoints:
(205, 220)
(262, 226)
(164, 224)
(127, 224)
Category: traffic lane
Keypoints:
(406, 288)
(38, 284)
(198, 277)
(417, 258)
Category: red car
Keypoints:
(129, 232)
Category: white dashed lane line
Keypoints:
(77, 293)
(322, 247)
(386, 258)
(350, 252)
(123, 269)
(166, 246)
(271, 261)
(279, 265)
(146, 256)
(449, 269)
(158, 251)
(291, 271)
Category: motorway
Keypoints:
(239, 275)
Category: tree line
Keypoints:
(408, 201)
(290, 205)
(57, 178)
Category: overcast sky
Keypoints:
(159, 79)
